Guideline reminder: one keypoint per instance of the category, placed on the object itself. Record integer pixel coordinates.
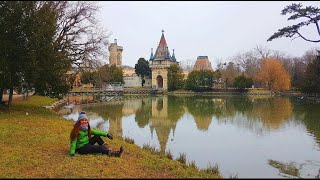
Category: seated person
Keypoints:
(82, 142)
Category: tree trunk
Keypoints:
(1, 95)
(10, 98)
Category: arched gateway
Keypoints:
(159, 81)
(159, 64)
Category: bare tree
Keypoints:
(229, 73)
(79, 34)
(250, 61)
(187, 65)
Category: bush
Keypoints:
(241, 82)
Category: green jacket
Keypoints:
(83, 139)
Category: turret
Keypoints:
(173, 57)
(151, 56)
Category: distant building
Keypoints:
(131, 79)
(128, 70)
(159, 64)
(202, 63)
(115, 54)
(135, 81)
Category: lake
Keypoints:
(247, 137)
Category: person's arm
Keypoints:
(101, 133)
(73, 145)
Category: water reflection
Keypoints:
(113, 112)
(258, 114)
(310, 114)
(286, 169)
(143, 113)
(294, 169)
(241, 134)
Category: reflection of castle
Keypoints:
(115, 127)
(203, 122)
(131, 106)
(160, 121)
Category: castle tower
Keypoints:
(115, 52)
(202, 63)
(159, 64)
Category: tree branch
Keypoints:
(306, 38)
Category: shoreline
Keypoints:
(302, 96)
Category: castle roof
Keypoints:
(162, 52)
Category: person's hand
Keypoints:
(71, 155)
(109, 136)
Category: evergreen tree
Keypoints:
(312, 76)
(142, 69)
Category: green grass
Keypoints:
(192, 164)
(214, 169)
(169, 155)
(182, 158)
(37, 146)
(152, 149)
(129, 140)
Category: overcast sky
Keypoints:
(218, 30)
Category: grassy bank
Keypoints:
(35, 144)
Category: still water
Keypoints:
(248, 137)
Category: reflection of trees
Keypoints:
(232, 105)
(241, 104)
(310, 115)
(111, 111)
(202, 109)
(143, 114)
(175, 108)
(256, 113)
(286, 168)
(296, 170)
(272, 112)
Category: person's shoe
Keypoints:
(118, 153)
(105, 146)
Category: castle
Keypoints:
(159, 64)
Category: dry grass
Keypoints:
(169, 155)
(214, 169)
(182, 158)
(37, 146)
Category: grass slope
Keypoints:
(37, 146)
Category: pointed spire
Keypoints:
(162, 52)
(151, 56)
(167, 53)
(163, 41)
(173, 57)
